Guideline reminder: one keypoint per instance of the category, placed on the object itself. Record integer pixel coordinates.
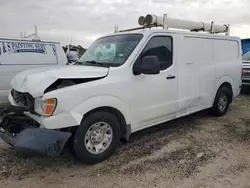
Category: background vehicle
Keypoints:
(19, 55)
(246, 62)
(72, 56)
(125, 82)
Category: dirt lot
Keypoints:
(195, 151)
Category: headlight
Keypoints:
(45, 107)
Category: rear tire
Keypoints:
(221, 102)
(97, 138)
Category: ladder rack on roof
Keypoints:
(166, 22)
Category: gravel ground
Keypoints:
(194, 151)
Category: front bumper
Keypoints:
(26, 137)
(37, 140)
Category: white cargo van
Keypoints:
(125, 82)
(19, 55)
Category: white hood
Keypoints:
(35, 81)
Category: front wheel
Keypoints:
(97, 137)
(221, 102)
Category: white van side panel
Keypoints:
(27, 53)
(17, 56)
(196, 74)
(227, 57)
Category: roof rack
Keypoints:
(151, 20)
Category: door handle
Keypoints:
(170, 77)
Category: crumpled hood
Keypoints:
(35, 81)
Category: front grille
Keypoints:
(23, 99)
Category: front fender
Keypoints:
(100, 101)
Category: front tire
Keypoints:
(221, 102)
(97, 137)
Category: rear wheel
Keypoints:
(221, 102)
(97, 137)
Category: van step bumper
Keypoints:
(38, 141)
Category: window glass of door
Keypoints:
(162, 47)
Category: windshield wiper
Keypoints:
(94, 62)
(78, 62)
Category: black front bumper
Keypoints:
(31, 139)
(38, 140)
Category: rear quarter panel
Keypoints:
(228, 63)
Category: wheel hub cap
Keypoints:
(98, 137)
(222, 102)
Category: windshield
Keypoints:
(111, 50)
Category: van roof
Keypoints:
(148, 31)
(23, 40)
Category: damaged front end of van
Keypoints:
(36, 121)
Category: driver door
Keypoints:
(155, 97)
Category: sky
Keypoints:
(82, 21)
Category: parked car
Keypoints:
(246, 62)
(125, 82)
(19, 55)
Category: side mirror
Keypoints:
(149, 65)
